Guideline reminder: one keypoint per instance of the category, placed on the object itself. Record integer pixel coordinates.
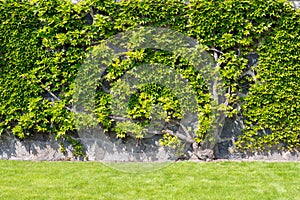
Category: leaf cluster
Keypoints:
(44, 43)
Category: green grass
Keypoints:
(181, 180)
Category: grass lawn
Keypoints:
(181, 180)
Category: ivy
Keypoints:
(44, 43)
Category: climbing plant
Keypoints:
(43, 44)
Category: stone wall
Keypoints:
(41, 147)
(44, 147)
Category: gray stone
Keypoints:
(41, 147)
(275, 156)
(131, 150)
(97, 148)
(296, 4)
(45, 147)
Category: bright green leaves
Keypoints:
(173, 143)
(156, 93)
(43, 44)
(232, 66)
(140, 104)
(126, 128)
(19, 51)
(274, 102)
(35, 119)
(162, 13)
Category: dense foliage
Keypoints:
(43, 44)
